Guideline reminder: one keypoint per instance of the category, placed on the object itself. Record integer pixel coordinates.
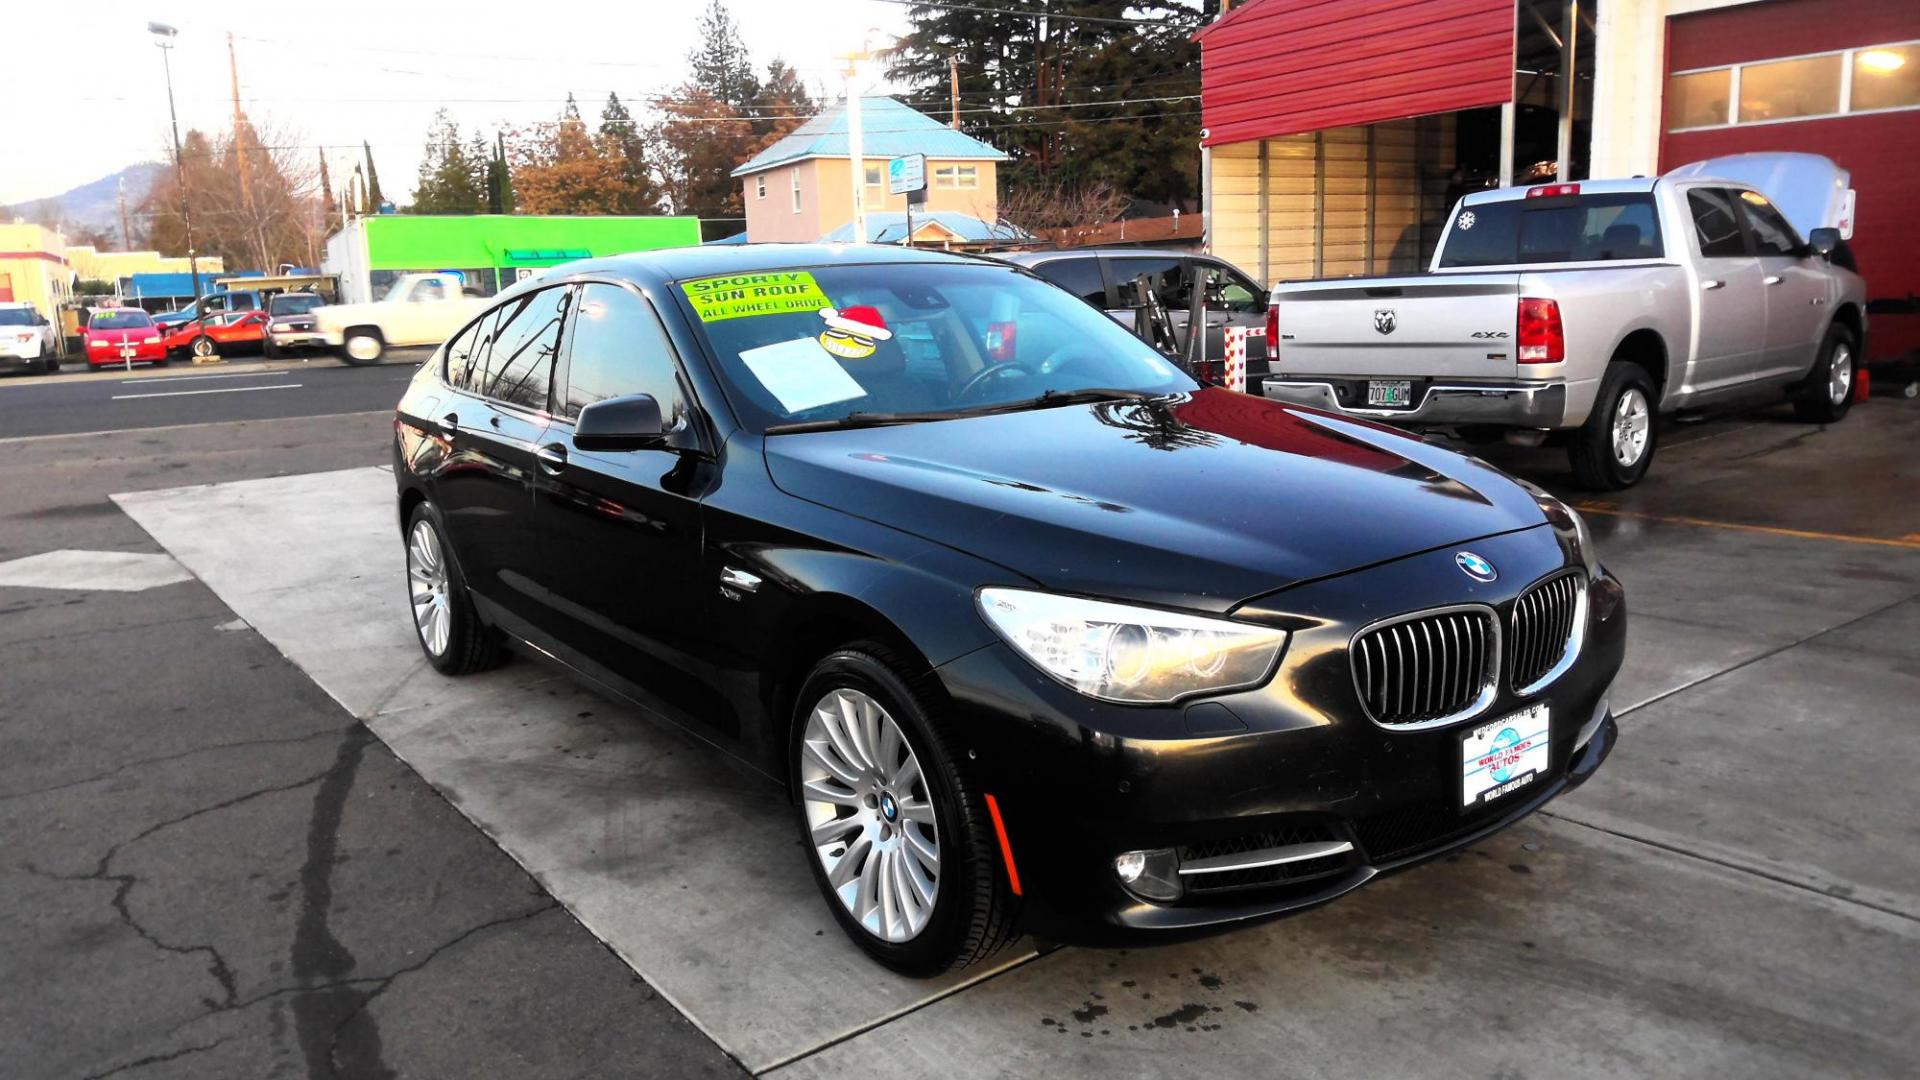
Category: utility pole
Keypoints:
(239, 121)
(164, 35)
(856, 158)
(126, 234)
(953, 83)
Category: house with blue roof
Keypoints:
(800, 189)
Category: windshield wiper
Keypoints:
(1070, 397)
(859, 420)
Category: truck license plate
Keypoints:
(1395, 393)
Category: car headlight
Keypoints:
(1131, 655)
(1568, 523)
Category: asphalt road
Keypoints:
(74, 402)
(209, 868)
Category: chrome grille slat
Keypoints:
(1426, 668)
(1544, 627)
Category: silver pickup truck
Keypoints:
(1584, 309)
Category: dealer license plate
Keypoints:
(1394, 393)
(1503, 756)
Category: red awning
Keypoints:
(1280, 67)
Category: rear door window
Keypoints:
(1171, 281)
(519, 363)
(1716, 225)
(1081, 277)
(1577, 228)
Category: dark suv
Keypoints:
(1035, 629)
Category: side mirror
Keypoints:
(1823, 241)
(623, 423)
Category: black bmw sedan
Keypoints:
(1037, 631)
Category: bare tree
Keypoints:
(1041, 207)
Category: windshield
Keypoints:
(294, 304)
(15, 317)
(929, 339)
(119, 320)
(1578, 228)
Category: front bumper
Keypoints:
(297, 339)
(1292, 763)
(148, 353)
(1441, 402)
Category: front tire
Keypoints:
(269, 350)
(896, 830)
(1828, 392)
(1614, 448)
(445, 624)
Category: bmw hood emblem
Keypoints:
(1475, 567)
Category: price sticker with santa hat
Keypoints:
(853, 333)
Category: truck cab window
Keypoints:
(1772, 235)
(428, 290)
(1715, 224)
(1081, 277)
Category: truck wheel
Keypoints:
(269, 350)
(1613, 449)
(1828, 392)
(363, 345)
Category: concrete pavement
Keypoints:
(1735, 893)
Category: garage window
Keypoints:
(1886, 78)
(1872, 78)
(1788, 88)
(1699, 99)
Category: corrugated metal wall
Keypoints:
(1349, 200)
(1282, 67)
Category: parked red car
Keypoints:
(117, 335)
(219, 335)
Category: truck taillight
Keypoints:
(1542, 339)
(1273, 330)
(1548, 191)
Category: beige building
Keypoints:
(800, 189)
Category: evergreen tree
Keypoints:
(1018, 56)
(720, 64)
(328, 208)
(781, 105)
(499, 179)
(450, 182)
(374, 197)
(622, 139)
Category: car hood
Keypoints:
(1199, 501)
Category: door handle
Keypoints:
(450, 423)
(553, 457)
(1772, 279)
(1711, 284)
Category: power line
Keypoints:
(986, 9)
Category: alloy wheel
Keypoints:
(1840, 374)
(427, 581)
(870, 815)
(202, 347)
(1632, 421)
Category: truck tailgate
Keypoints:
(1432, 325)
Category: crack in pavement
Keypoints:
(9, 796)
(158, 1059)
(216, 963)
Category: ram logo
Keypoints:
(1383, 320)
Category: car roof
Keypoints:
(1032, 258)
(675, 264)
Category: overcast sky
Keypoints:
(341, 71)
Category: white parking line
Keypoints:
(215, 390)
(184, 378)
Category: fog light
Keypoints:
(1150, 875)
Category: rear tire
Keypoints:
(362, 345)
(445, 623)
(1614, 448)
(973, 908)
(1828, 392)
(201, 348)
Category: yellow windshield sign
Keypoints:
(736, 296)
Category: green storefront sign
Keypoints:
(397, 242)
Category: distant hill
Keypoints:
(90, 206)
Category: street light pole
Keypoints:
(164, 35)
